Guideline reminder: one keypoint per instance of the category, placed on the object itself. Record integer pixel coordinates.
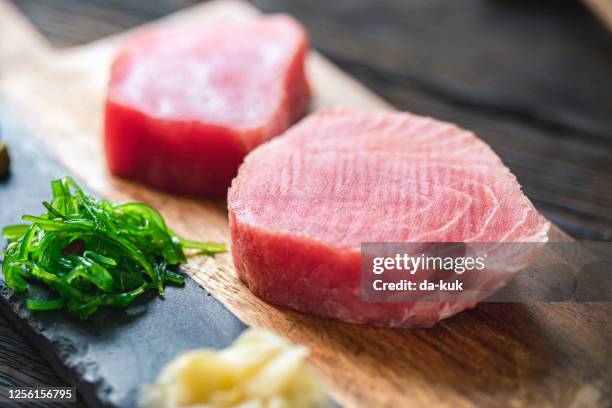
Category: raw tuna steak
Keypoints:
(303, 203)
(185, 105)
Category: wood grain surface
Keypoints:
(532, 78)
(535, 354)
(21, 366)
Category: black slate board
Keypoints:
(109, 356)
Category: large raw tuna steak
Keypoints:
(185, 104)
(302, 205)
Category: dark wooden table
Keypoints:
(532, 78)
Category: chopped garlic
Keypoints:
(259, 370)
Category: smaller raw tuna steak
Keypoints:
(186, 104)
(303, 203)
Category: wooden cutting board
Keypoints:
(500, 354)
